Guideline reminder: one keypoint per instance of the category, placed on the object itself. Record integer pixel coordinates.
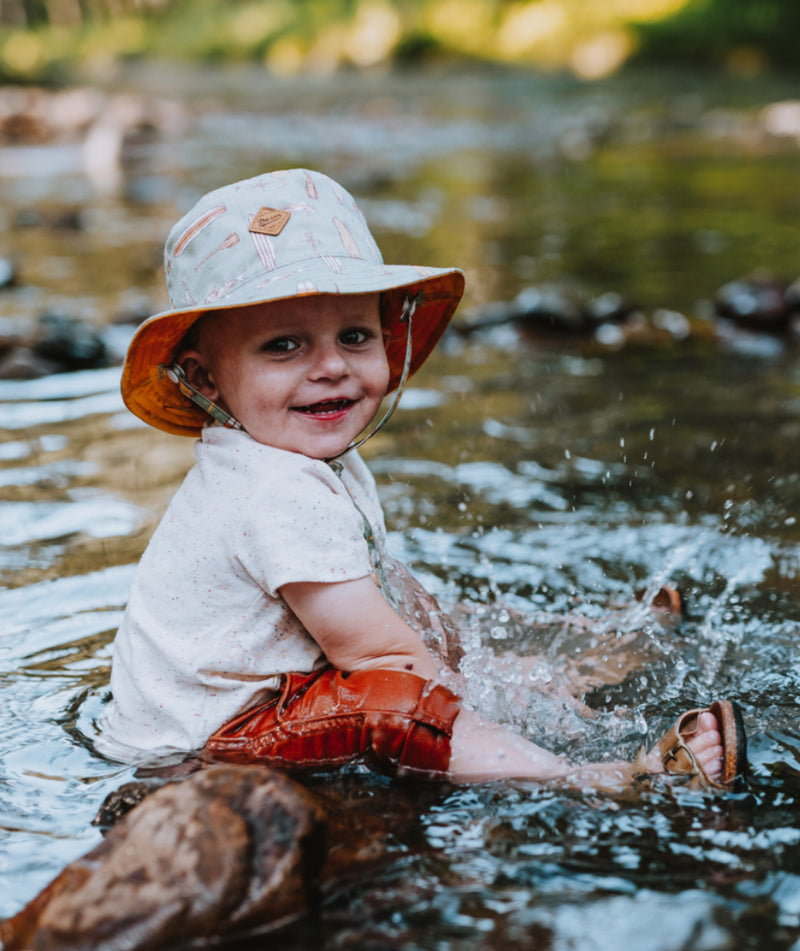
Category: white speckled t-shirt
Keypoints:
(205, 628)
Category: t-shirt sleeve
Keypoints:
(303, 526)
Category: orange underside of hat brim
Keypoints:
(155, 399)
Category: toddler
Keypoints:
(266, 622)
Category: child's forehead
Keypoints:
(306, 311)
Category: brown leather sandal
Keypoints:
(680, 762)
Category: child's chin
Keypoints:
(310, 450)
(324, 454)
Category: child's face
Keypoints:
(306, 374)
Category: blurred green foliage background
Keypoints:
(49, 40)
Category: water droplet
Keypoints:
(540, 674)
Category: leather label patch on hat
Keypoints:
(269, 221)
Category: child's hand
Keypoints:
(356, 628)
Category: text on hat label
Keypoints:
(269, 221)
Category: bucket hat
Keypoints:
(279, 235)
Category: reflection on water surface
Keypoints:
(520, 475)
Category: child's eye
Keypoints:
(280, 345)
(354, 336)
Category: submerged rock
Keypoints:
(760, 302)
(11, 334)
(69, 343)
(57, 343)
(214, 854)
(8, 272)
(64, 219)
(226, 850)
(120, 802)
(558, 309)
(565, 311)
(553, 309)
(23, 363)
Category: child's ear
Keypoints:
(197, 373)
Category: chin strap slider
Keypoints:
(178, 377)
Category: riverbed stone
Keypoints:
(69, 342)
(561, 309)
(11, 334)
(8, 272)
(758, 303)
(24, 363)
(120, 802)
(228, 849)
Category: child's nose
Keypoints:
(329, 363)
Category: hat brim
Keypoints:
(155, 399)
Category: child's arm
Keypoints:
(421, 611)
(356, 628)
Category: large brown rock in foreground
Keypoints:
(226, 850)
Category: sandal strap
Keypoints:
(681, 763)
(678, 758)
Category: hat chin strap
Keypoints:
(176, 373)
(178, 377)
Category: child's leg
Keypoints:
(329, 717)
(483, 751)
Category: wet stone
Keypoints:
(121, 801)
(756, 303)
(8, 272)
(226, 850)
(24, 363)
(11, 334)
(554, 309)
(63, 219)
(793, 297)
(69, 343)
(610, 307)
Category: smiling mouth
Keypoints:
(325, 408)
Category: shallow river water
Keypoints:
(522, 473)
